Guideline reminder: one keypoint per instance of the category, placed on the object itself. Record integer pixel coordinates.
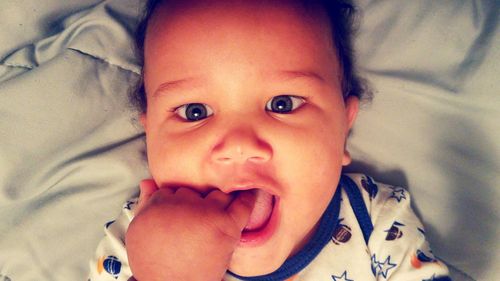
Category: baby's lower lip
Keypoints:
(255, 238)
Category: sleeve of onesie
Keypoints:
(110, 262)
(398, 247)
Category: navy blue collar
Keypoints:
(304, 257)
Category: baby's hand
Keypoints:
(147, 187)
(181, 235)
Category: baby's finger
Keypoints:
(220, 198)
(147, 188)
(241, 208)
(187, 193)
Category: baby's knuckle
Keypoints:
(221, 229)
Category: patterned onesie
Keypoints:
(368, 232)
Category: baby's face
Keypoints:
(245, 96)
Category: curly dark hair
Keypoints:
(342, 16)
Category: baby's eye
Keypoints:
(284, 104)
(194, 111)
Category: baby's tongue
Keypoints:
(261, 211)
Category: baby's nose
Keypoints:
(239, 146)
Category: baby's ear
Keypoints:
(351, 109)
(142, 119)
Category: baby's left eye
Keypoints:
(284, 104)
(194, 111)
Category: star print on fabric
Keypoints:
(128, 205)
(343, 277)
(398, 193)
(421, 231)
(386, 266)
(109, 223)
(375, 265)
(382, 268)
(370, 186)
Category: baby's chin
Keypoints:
(248, 261)
(256, 261)
(254, 266)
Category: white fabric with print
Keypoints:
(397, 249)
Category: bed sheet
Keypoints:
(434, 123)
(72, 152)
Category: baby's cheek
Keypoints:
(168, 164)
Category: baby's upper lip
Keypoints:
(247, 185)
(248, 176)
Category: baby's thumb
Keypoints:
(147, 188)
(241, 208)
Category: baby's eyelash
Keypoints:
(285, 104)
(193, 112)
(282, 104)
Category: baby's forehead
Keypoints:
(240, 18)
(226, 10)
(225, 38)
(303, 5)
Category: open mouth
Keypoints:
(262, 222)
(262, 210)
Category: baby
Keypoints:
(247, 106)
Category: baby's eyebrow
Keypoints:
(196, 82)
(284, 75)
(186, 83)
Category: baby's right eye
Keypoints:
(284, 104)
(192, 112)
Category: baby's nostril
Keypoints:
(256, 159)
(224, 159)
